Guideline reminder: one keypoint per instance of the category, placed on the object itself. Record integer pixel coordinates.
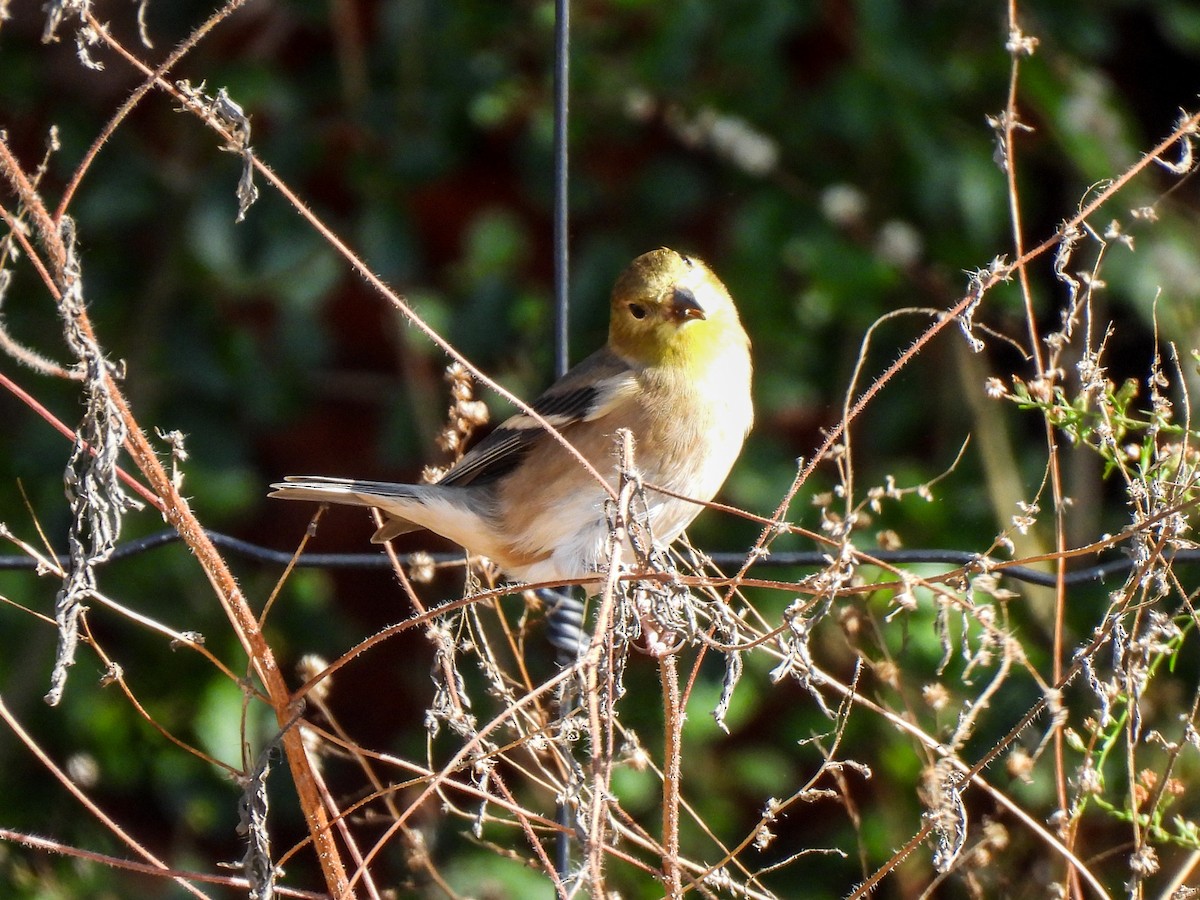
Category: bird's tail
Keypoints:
(393, 499)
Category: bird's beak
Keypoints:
(684, 305)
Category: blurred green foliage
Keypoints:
(419, 131)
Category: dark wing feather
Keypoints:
(496, 455)
(585, 392)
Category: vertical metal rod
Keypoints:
(562, 29)
(564, 631)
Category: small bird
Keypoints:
(675, 372)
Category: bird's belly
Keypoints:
(576, 533)
(562, 532)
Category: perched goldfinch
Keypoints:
(675, 372)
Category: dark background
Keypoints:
(420, 132)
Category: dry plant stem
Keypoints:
(361, 268)
(633, 832)
(139, 92)
(116, 862)
(49, 564)
(447, 664)
(1171, 891)
(176, 637)
(998, 453)
(1011, 123)
(397, 567)
(242, 617)
(1173, 754)
(178, 513)
(424, 776)
(79, 795)
(868, 886)
(969, 773)
(346, 744)
(339, 822)
(827, 767)
(458, 760)
(31, 359)
(600, 721)
(548, 867)
(291, 566)
(672, 762)
(398, 302)
(697, 872)
(1082, 654)
(416, 621)
(973, 773)
(31, 254)
(30, 401)
(601, 737)
(778, 518)
(115, 674)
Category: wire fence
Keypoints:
(964, 562)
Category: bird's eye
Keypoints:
(688, 261)
(637, 310)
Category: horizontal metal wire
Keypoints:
(799, 559)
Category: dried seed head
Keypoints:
(935, 696)
(1020, 765)
(889, 673)
(309, 667)
(1144, 861)
(473, 412)
(851, 620)
(433, 474)
(421, 567)
(889, 540)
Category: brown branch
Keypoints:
(672, 775)
(178, 513)
(116, 862)
(127, 107)
(86, 801)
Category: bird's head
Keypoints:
(670, 308)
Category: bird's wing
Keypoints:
(589, 391)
